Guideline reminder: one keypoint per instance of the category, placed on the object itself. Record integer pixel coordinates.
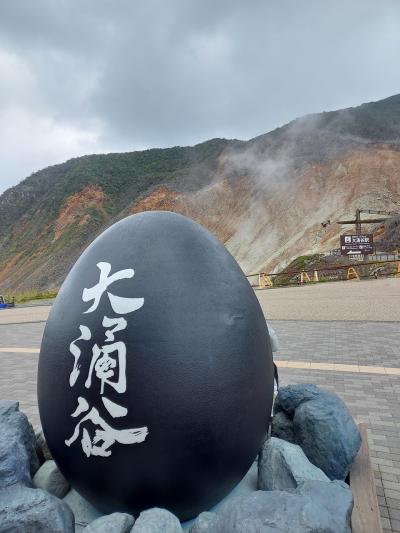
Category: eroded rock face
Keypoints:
(314, 507)
(112, 523)
(282, 466)
(157, 521)
(18, 459)
(23, 509)
(321, 424)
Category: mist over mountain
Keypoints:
(264, 198)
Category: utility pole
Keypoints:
(357, 221)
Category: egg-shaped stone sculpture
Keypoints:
(155, 377)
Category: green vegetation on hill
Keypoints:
(378, 121)
(123, 177)
(301, 263)
(320, 136)
(37, 246)
(29, 211)
(330, 268)
(29, 296)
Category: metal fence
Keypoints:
(384, 257)
(365, 269)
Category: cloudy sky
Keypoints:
(89, 76)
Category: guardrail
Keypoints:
(384, 257)
(263, 280)
(376, 256)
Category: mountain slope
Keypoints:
(265, 198)
(48, 219)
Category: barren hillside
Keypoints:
(265, 198)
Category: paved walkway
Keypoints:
(367, 300)
(371, 300)
(372, 394)
(24, 315)
(354, 359)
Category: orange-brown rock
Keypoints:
(266, 225)
(268, 199)
(75, 208)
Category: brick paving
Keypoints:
(372, 398)
(345, 342)
(21, 335)
(368, 300)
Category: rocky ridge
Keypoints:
(265, 199)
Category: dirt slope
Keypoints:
(265, 198)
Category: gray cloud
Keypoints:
(80, 77)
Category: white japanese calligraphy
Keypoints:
(107, 435)
(76, 352)
(108, 364)
(119, 323)
(115, 410)
(120, 305)
(104, 366)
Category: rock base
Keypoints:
(300, 477)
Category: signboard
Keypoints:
(356, 244)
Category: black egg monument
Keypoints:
(155, 376)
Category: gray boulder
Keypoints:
(314, 507)
(203, 522)
(273, 338)
(322, 426)
(290, 397)
(282, 466)
(282, 427)
(157, 521)
(42, 449)
(18, 459)
(49, 478)
(23, 509)
(83, 511)
(112, 523)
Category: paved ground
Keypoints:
(357, 359)
(367, 300)
(375, 300)
(21, 315)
